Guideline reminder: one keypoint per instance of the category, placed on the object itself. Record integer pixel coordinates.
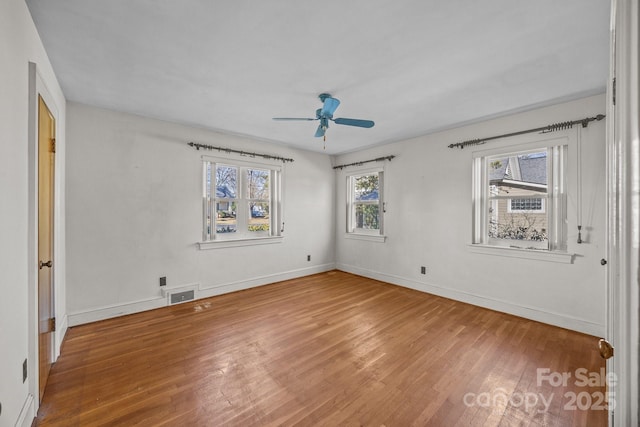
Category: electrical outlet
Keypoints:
(24, 371)
(163, 281)
(423, 270)
(308, 257)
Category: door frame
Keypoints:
(37, 87)
(623, 225)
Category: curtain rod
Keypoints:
(545, 129)
(242, 153)
(379, 159)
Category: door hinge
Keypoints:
(53, 145)
(52, 324)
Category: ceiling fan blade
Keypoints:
(306, 119)
(320, 131)
(355, 122)
(329, 106)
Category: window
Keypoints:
(365, 205)
(241, 200)
(520, 197)
(527, 205)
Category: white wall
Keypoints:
(133, 210)
(134, 213)
(429, 217)
(19, 45)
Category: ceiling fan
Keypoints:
(325, 114)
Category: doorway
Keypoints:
(46, 175)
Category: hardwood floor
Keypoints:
(329, 349)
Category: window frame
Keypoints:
(559, 149)
(352, 231)
(242, 236)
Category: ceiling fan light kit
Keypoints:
(325, 114)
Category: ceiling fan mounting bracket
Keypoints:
(324, 96)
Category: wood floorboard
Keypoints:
(331, 349)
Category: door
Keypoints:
(46, 173)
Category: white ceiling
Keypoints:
(412, 66)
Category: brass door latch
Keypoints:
(606, 349)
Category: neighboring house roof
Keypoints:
(520, 171)
(498, 170)
(534, 169)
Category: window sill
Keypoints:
(369, 237)
(233, 243)
(540, 255)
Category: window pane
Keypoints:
(226, 192)
(226, 221)
(526, 225)
(258, 184)
(367, 216)
(226, 182)
(366, 187)
(519, 170)
(259, 218)
(517, 193)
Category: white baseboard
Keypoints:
(27, 414)
(209, 291)
(116, 310)
(532, 313)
